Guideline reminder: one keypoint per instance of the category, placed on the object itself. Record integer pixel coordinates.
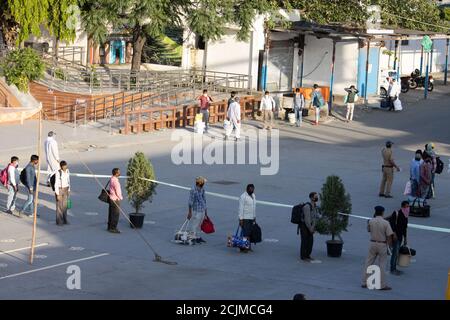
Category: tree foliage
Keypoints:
(59, 14)
(22, 66)
(334, 200)
(28, 15)
(139, 191)
(409, 14)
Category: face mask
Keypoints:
(418, 158)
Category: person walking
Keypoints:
(234, 116)
(393, 93)
(51, 155)
(388, 170)
(267, 107)
(381, 235)
(30, 182)
(197, 208)
(13, 184)
(115, 196)
(308, 225)
(247, 213)
(299, 104)
(317, 102)
(350, 99)
(62, 192)
(205, 101)
(399, 225)
(414, 173)
(426, 173)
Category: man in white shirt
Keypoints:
(51, 155)
(13, 185)
(234, 116)
(62, 190)
(267, 107)
(247, 212)
(393, 92)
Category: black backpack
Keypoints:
(439, 165)
(297, 216)
(23, 178)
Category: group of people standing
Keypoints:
(58, 179)
(423, 172)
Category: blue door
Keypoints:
(372, 79)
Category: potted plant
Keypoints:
(334, 200)
(139, 190)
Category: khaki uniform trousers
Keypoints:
(376, 250)
(386, 181)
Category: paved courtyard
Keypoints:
(122, 267)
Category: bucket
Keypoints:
(404, 260)
(291, 117)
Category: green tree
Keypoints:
(28, 15)
(334, 200)
(59, 13)
(22, 66)
(94, 21)
(139, 190)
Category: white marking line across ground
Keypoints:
(53, 266)
(267, 203)
(21, 249)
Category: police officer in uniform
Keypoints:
(388, 170)
(381, 235)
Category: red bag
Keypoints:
(207, 225)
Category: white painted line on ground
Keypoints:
(91, 213)
(25, 248)
(76, 248)
(271, 240)
(150, 222)
(266, 203)
(7, 241)
(40, 256)
(53, 266)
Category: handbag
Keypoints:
(238, 241)
(69, 203)
(407, 188)
(255, 234)
(207, 225)
(182, 236)
(419, 210)
(104, 194)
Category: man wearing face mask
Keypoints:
(399, 224)
(247, 212)
(13, 185)
(307, 226)
(414, 173)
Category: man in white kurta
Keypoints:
(51, 154)
(234, 116)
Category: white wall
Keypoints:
(233, 56)
(317, 63)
